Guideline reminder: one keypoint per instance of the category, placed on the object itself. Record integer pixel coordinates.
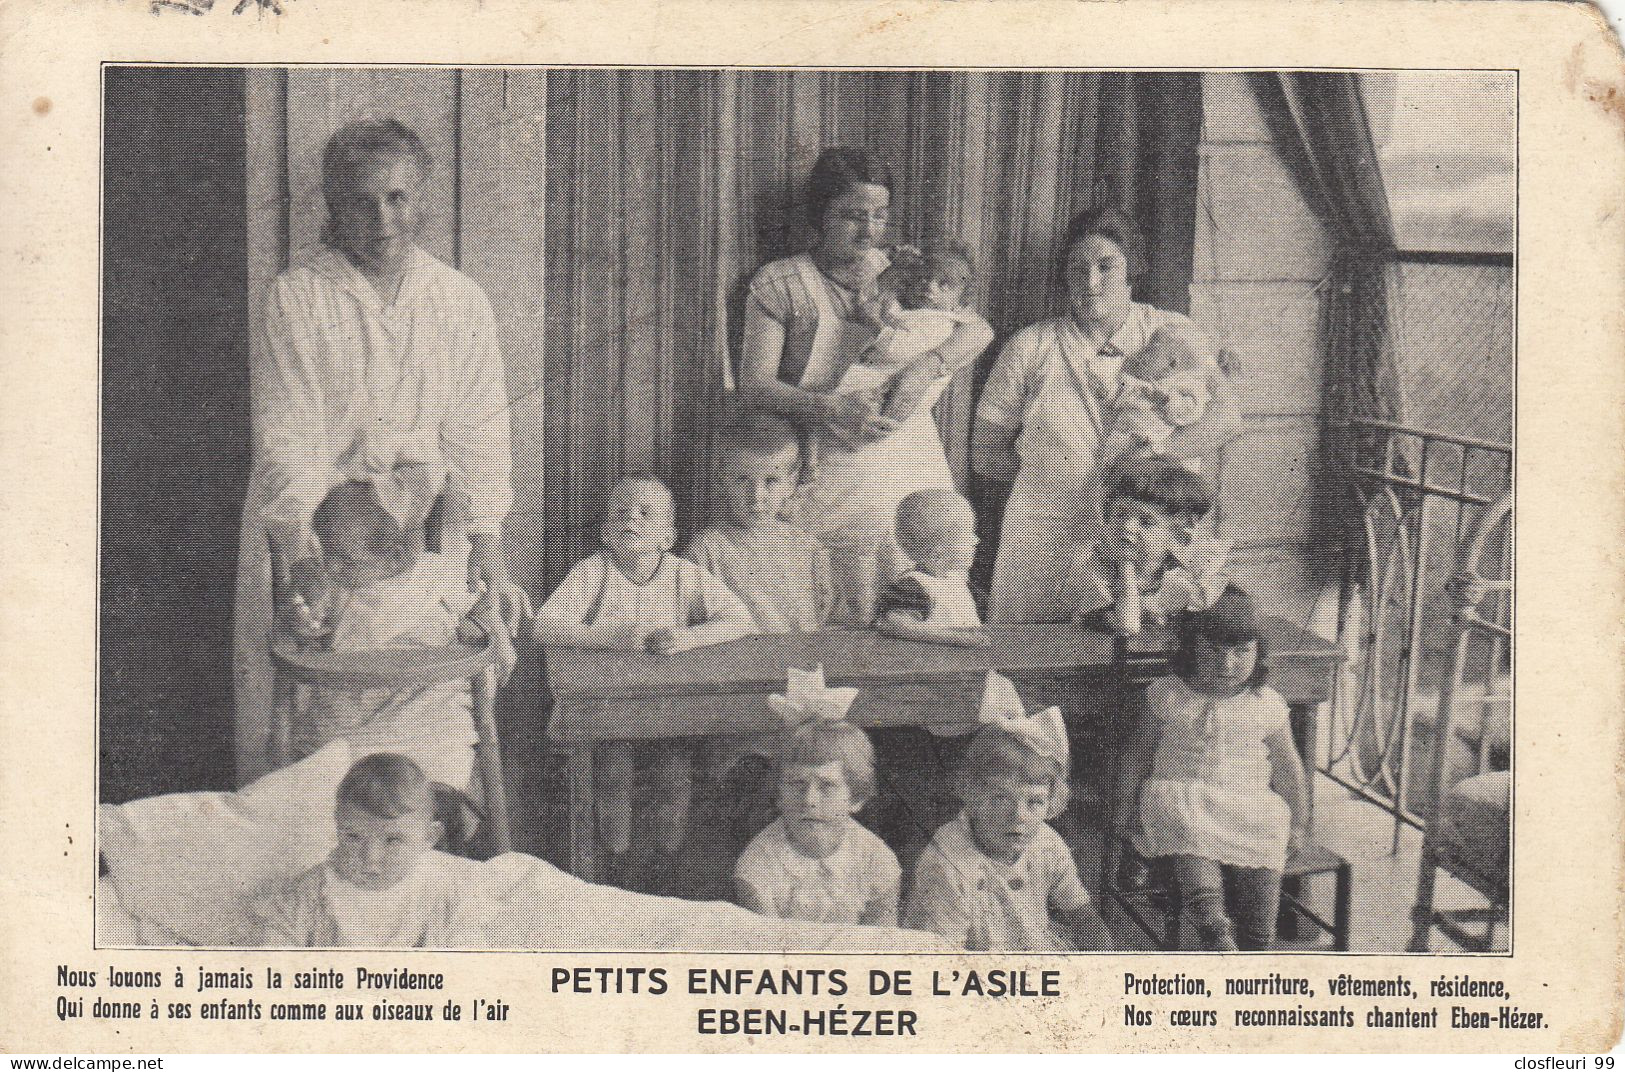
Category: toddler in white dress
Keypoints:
(1221, 794)
(816, 862)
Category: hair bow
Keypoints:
(409, 492)
(807, 699)
(406, 489)
(1044, 732)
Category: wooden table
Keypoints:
(603, 695)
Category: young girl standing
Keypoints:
(1221, 789)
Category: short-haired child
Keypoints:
(932, 602)
(1218, 786)
(919, 303)
(384, 885)
(1156, 558)
(998, 876)
(636, 595)
(816, 862)
(382, 588)
(779, 570)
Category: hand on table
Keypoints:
(973, 636)
(668, 641)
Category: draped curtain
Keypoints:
(1321, 128)
(667, 189)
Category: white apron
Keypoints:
(1054, 508)
(851, 504)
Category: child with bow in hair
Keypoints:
(997, 876)
(815, 862)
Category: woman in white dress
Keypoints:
(803, 330)
(1045, 408)
(373, 355)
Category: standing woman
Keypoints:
(1045, 408)
(374, 355)
(803, 330)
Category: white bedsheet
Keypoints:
(183, 869)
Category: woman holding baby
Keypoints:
(806, 327)
(1048, 409)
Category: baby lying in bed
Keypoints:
(383, 589)
(383, 885)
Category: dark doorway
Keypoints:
(174, 424)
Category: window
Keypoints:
(1447, 144)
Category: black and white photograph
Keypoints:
(815, 509)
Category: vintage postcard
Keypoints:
(863, 527)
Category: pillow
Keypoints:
(191, 863)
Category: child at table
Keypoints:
(635, 595)
(382, 588)
(383, 885)
(779, 571)
(1156, 559)
(997, 876)
(1220, 788)
(932, 602)
(816, 862)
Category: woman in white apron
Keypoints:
(1044, 411)
(373, 354)
(802, 332)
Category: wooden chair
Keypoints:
(1158, 911)
(1468, 836)
(397, 669)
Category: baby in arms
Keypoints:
(920, 302)
(1167, 386)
